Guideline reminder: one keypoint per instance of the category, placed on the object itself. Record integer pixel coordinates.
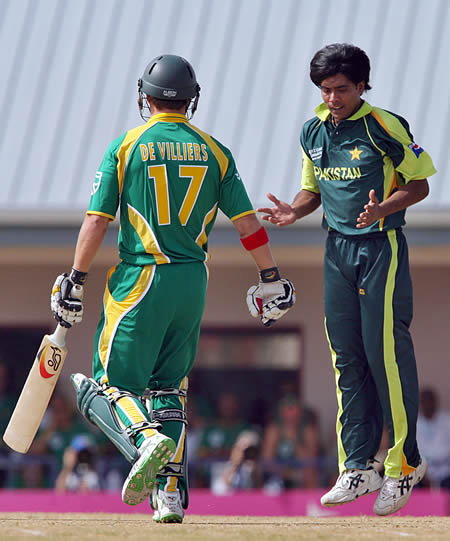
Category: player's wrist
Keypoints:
(271, 274)
(78, 277)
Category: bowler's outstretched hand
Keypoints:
(280, 214)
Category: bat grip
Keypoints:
(77, 292)
(59, 336)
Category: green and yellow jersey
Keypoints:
(372, 149)
(169, 179)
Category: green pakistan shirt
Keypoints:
(371, 149)
(169, 179)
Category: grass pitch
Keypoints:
(107, 527)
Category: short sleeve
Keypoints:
(309, 181)
(234, 201)
(105, 189)
(409, 158)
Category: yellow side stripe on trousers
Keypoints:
(172, 481)
(395, 463)
(115, 311)
(342, 455)
(129, 409)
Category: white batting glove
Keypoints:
(271, 300)
(66, 298)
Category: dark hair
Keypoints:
(169, 104)
(343, 58)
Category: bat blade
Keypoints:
(36, 392)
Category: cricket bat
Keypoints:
(37, 391)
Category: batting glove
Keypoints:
(271, 298)
(66, 298)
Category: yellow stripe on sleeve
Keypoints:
(413, 166)
(309, 180)
(97, 213)
(242, 214)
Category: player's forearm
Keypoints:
(90, 238)
(404, 197)
(306, 202)
(262, 255)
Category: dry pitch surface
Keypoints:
(102, 527)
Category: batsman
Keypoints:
(168, 180)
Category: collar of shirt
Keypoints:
(323, 112)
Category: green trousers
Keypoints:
(368, 311)
(147, 336)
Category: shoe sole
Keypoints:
(142, 477)
(334, 504)
(384, 513)
(171, 519)
(422, 476)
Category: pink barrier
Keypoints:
(307, 503)
(203, 502)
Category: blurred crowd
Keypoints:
(273, 448)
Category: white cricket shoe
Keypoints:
(395, 493)
(352, 484)
(155, 453)
(168, 507)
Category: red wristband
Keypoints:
(255, 240)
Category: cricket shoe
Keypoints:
(155, 453)
(395, 493)
(352, 484)
(168, 507)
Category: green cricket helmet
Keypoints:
(169, 77)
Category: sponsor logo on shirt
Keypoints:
(337, 173)
(417, 149)
(315, 153)
(97, 181)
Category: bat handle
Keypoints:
(59, 336)
(77, 292)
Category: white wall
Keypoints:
(70, 69)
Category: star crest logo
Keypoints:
(355, 153)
